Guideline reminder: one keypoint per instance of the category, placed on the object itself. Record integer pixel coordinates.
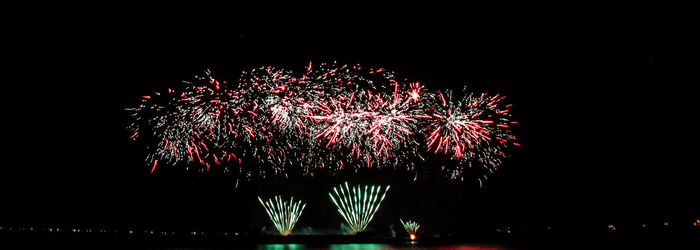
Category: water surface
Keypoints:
(376, 246)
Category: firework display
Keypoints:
(411, 227)
(284, 214)
(329, 118)
(357, 205)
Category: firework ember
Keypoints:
(284, 214)
(331, 117)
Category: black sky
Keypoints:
(605, 99)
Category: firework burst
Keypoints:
(475, 129)
(284, 214)
(374, 126)
(331, 117)
(186, 125)
(357, 205)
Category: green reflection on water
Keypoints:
(376, 246)
(282, 246)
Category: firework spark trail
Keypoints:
(411, 228)
(329, 118)
(284, 214)
(357, 206)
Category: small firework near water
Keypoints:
(411, 228)
(284, 214)
(357, 205)
(328, 118)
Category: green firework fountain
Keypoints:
(357, 205)
(284, 214)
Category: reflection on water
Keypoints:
(282, 246)
(360, 246)
(374, 247)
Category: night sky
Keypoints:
(604, 98)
